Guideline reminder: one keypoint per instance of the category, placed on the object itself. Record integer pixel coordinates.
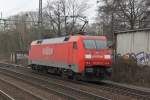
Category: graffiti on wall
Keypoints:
(142, 58)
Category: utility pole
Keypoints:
(59, 22)
(1, 15)
(40, 20)
(2, 21)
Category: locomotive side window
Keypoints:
(75, 46)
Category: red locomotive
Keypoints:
(79, 57)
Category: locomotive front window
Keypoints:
(95, 44)
(101, 44)
(89, 44)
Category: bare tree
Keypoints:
(63, 14)
(124, 14)
(133, 10)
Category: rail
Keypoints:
(5, 96)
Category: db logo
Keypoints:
(47, 51)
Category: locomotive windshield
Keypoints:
(95, 44)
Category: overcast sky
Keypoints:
(12, 7)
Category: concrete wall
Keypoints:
(134, 42)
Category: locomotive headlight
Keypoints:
(88, 56)
(107, 56)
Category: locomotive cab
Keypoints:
(97, 58)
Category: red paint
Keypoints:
(65, 53)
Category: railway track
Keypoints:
(115, 88)
(129, 91)
(67, 92)
(13, 92)
(75, 84)
(5, 96)
(135, 93)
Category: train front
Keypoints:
(98, 60)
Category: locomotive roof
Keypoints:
(65, 39)
(47, 41)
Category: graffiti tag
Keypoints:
(142, 58)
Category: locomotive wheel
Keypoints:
(33, 68)
(64, 75)
(71, 77)
(45, 71)
(77, 77)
